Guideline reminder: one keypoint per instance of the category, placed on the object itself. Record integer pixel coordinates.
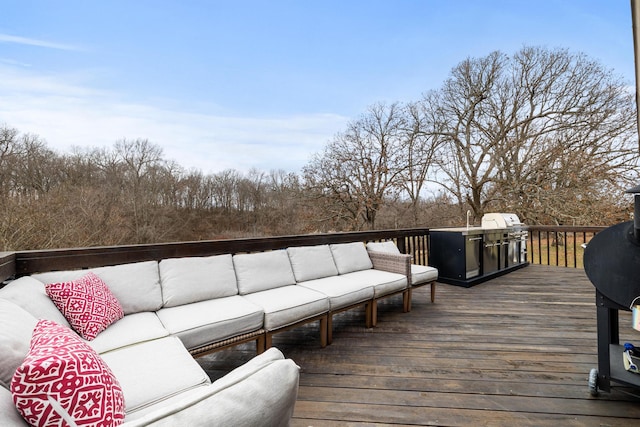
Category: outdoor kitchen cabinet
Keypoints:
(468, 256)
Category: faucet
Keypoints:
(468, 216)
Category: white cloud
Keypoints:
(6, 38)
(68, 114)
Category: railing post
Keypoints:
(402, 247)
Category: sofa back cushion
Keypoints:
(351, 257)
(136, 285)
(387, 247)
(312, 262)
(193, 279)
(30, 294)
(16, 327)
(262, 271)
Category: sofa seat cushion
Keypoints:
(421, 274)
(131, 329)
(262, 271)
(312, 262)
(136, 285)
(87, 303)
(9, 415)
(193, 279)
(383, 282)
(289, 305)
(261, 392)
(30, 294)
(341, 290)
(153, 371)
(350, 257)
(16, 329)
(206, 322)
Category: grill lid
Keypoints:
(611, 262)
(612, 257)
(500, 220)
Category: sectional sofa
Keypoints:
(177, 308)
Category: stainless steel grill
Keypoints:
(513, 236)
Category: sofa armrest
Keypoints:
(393, 263)
(263, 391)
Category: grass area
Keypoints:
(561, 249)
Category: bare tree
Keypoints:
(420, 140)
(360, 167)
(466, 154)
(534, 131)
(141, 161)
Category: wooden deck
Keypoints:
(513, 351)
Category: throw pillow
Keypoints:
(64, 382)
(87, 303)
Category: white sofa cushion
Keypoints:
(205, 322)
(245, 396)
(351, 257)
(16, 329)
(153, 371)
(288, 305)
(9, 415)
(423, 274)
(131, 329)
(387, 247)
(136, 285)
(30, 294)
(419, 273)
(312, 262)
(341, 290)
(193, 279)
(263, 270)
(383, 282)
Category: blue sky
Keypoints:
(265, 84)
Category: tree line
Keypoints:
(547, 134)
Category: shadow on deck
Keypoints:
(516, 350)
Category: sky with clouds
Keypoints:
(260, 84)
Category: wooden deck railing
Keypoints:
(549, 245)
(558, 245)
(14, 264)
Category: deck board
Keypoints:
(516, 350)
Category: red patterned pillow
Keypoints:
(64, 382)
(87, 303)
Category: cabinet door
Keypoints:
(472, 256)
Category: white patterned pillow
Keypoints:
(63, 381)
(87, 303)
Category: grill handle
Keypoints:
(636, 211)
